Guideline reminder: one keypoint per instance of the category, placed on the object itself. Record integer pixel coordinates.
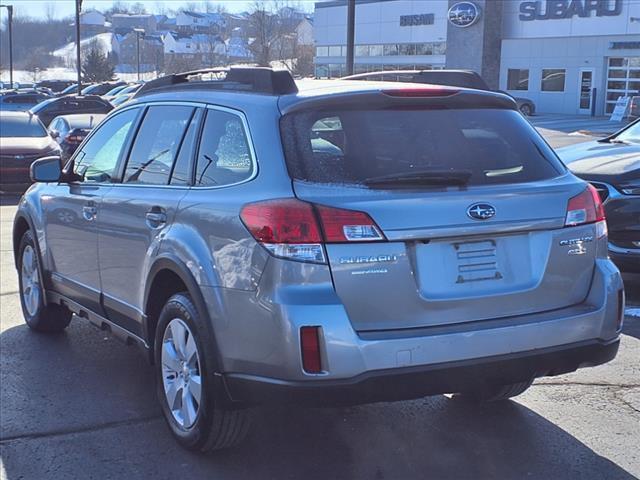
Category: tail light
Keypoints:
(74, 138)
(310, 348)
(586, 208)
(298, 230)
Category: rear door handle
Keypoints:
(156, 218)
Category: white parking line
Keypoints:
(632, 312)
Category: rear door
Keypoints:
(138, 211)
(455, 251)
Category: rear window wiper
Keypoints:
(429, 177)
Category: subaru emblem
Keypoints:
(481, 211)
(464, 14)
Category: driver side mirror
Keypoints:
(46, 169)
(55, 134)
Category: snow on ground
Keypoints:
(25, 76)
(68, 52)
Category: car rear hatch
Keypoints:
(470, 205)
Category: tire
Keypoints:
(526, 109)
(38, 315)
(185, 364)
(497, 393)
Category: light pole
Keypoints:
(78, 61)
(10, 26)
(351, 28)
(138, 32)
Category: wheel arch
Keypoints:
(167, 276)
(21, 224)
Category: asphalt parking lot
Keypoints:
(81, 405)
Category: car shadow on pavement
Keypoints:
(82, 405)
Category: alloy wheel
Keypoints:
(30, 279)
(181, 374)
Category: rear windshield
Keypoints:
(490, 146)
(22, 126)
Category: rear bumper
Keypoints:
(416, 382)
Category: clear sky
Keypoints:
(65, 8)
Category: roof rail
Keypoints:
(241, 79)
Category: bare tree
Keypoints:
(265, 26)
(50, 9)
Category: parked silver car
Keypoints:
(347, 242)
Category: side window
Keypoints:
(181, 174)
(224, 156)
(156, 145)
(99, 157)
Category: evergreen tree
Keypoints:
(96, 67)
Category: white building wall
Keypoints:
(572, 44)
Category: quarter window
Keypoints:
(157, 144)
(518, 79)
(224, 157)
(553, 79)
(99, 157)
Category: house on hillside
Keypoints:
(122, 21)
(195, 22)
(92, 22)
(238, 47)
(125, 47)
(304, 31)
(198, 49)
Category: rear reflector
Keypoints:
(421, 92)
(310, 348)
(585, 208)
(620, 310)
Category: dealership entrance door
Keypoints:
(585, 90)
(623, 79)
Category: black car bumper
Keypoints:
(626, 260)
(416, 382)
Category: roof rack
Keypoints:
(240, 79)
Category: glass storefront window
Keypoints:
(439, 48)
(375, 50)
(424, 49)
(617, 62)
(322, 51)
(616, 85)
(617, 73)
(407, 49)
(335, 51)
(553, 79)
(389, 50)
(362, 50)
(518, 79)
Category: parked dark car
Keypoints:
(56, 86)
(101, 88)
(612, 165)
(454, 78)
(70, 130)
(71, 89)
(23, 139)
(21, 101)
(70, 104)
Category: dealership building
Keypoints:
(567, 56)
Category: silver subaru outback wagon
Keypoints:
(324, 243)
